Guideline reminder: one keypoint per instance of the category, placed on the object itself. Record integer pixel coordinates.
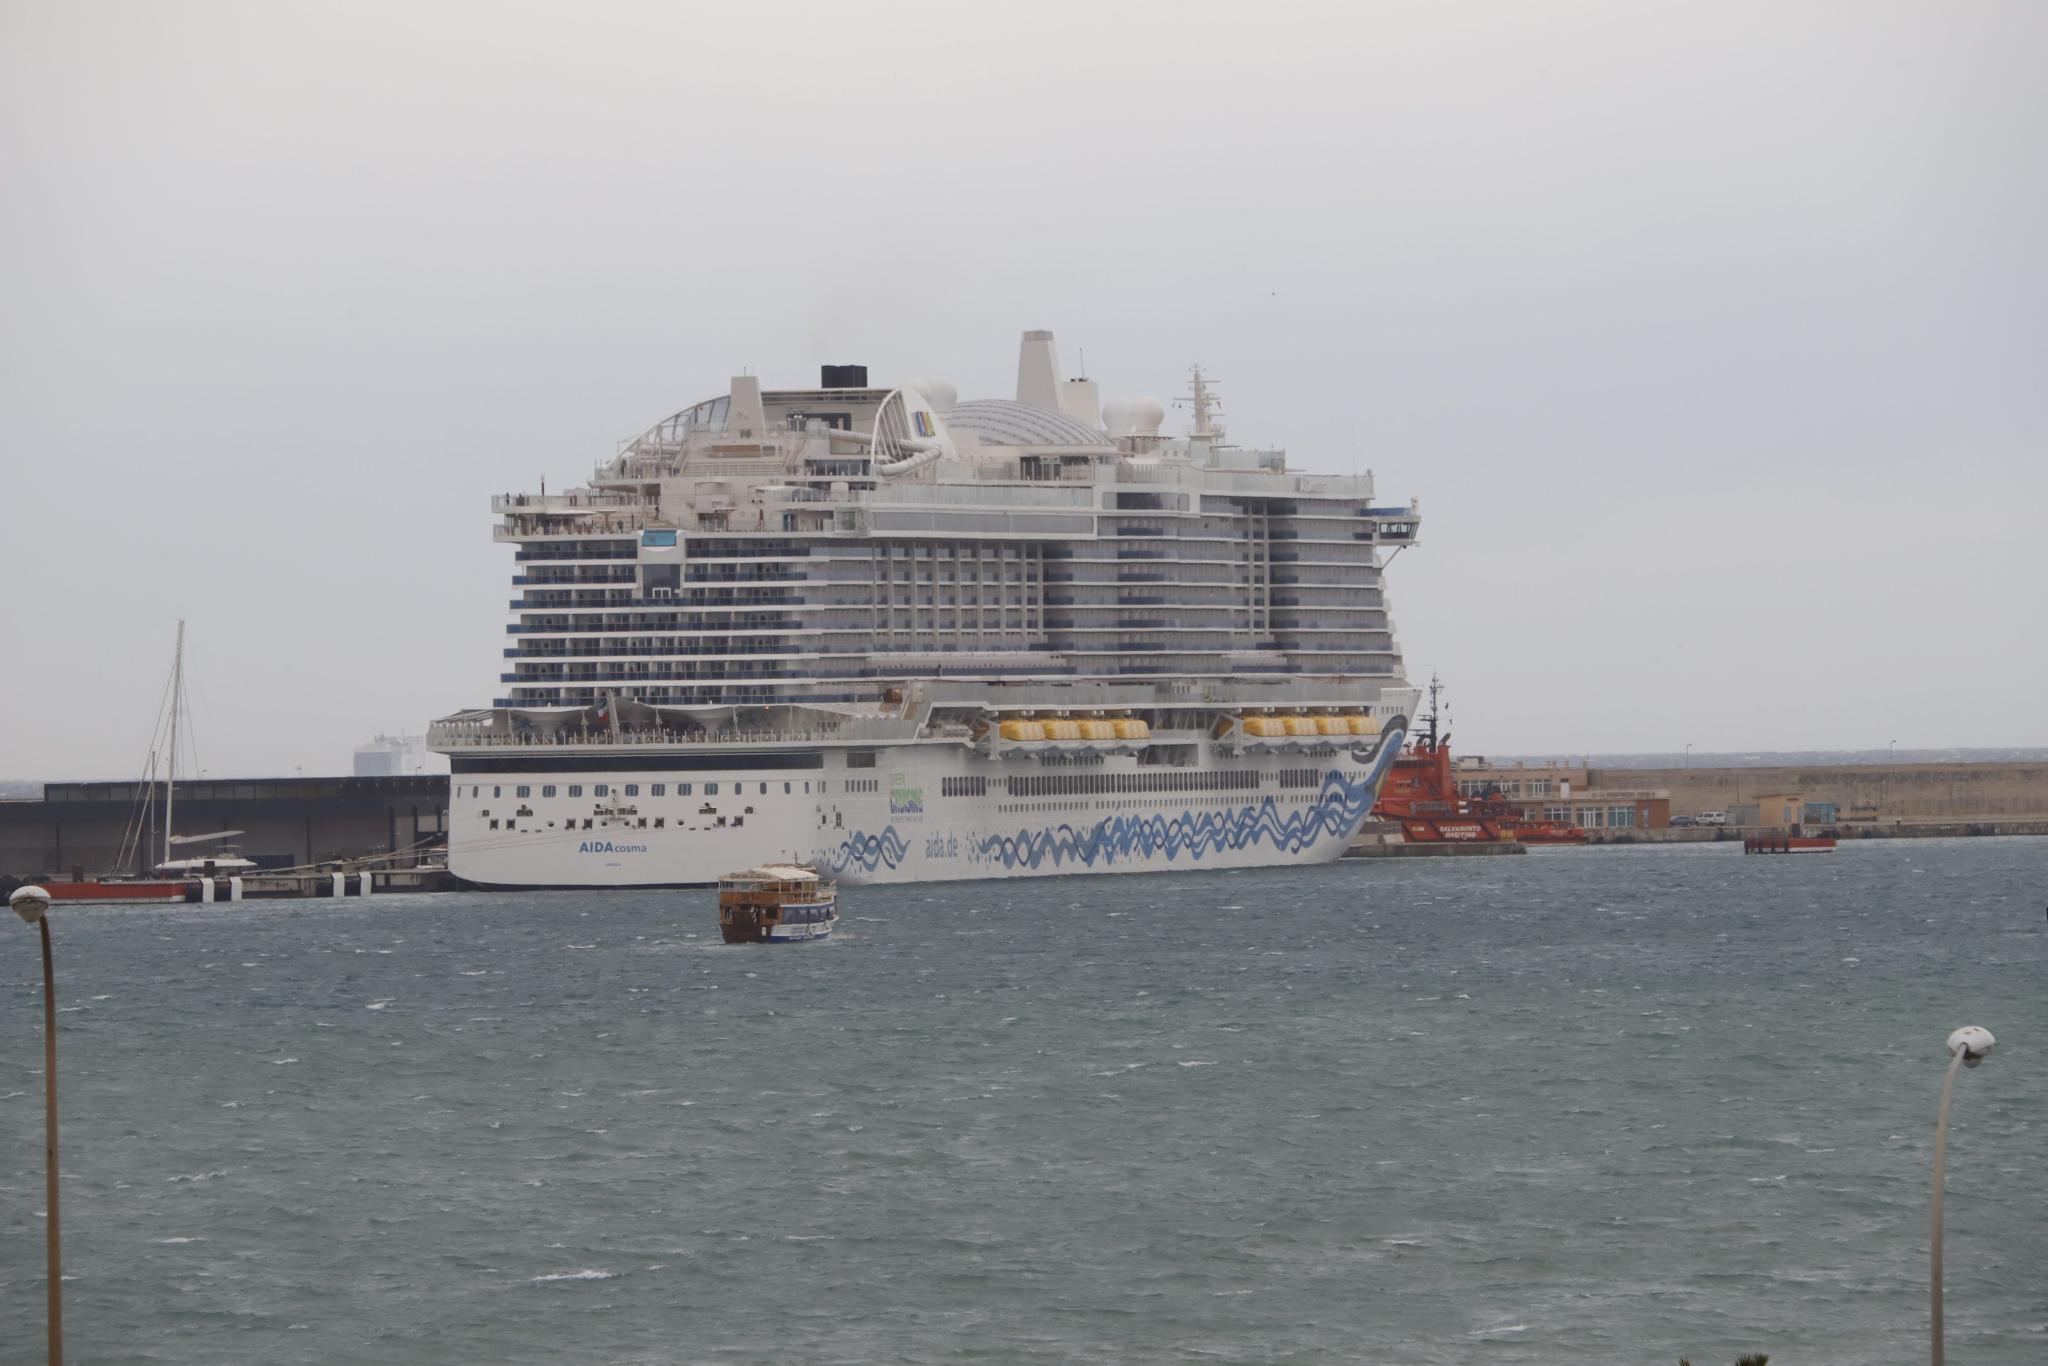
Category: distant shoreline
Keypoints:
(1789, 758)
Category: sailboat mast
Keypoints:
(177, 705)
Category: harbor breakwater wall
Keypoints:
(77, 829)
(1895, 792)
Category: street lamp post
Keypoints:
(1967, 1047)
(32, 904)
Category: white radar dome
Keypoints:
(1120, 416)
(1148, 413)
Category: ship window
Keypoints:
(600, 789)
(632, 789)
(660, 821)
(786, 787)
(494, 825)
(575, 789)
(525, 791)
(682, 789)
(711, 789)
(764, 789)
(547, 790)
(659, 789)
(497, 792)
(721, 820)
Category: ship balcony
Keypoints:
(573, 554)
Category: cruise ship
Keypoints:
(898, 637)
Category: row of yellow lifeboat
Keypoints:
(1275, 727)
(1062, 728)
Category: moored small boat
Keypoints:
(1788, 844)
(777, 903)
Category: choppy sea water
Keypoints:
(1587, 1105)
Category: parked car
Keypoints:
(1681, 822)
(1711, 818)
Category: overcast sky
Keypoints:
(1710, 336)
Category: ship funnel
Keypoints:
(743, 416)
(1081, 399)
(1038, 371)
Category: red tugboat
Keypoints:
(1423, 796)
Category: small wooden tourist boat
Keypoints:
(777, 903)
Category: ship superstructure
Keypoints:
(904, 637)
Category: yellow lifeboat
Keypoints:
(1023, 730)
(1265, 726)
(1062, 730)
(1363, 725)
(1299, 725)
(1131, 728)
(1097, 730)
(1331, 725)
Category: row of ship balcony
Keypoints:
(981, 657)
(486, 735)
(1056, 663)
(592, 546)
(695, 642)
(943, 602)
(773, 689)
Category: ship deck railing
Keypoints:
(482, 738)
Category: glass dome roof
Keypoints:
(1004, 422)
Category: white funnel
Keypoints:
(1038, 372)
(1082, 399)
(743, 415)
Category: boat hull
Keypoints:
(1788, 844)
(743, 929)
(88, 893)
(920, 814)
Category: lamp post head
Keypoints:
(30, 902)
(1972, 1041)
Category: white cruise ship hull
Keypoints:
(922, 813)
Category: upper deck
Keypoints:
(817, 546)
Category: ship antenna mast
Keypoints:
(1205, 404)
(177, 704)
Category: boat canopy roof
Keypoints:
(774, 872)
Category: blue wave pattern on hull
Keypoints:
(1340, 808)
(1337, 811)
(869, 852)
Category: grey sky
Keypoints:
(1710, 336)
